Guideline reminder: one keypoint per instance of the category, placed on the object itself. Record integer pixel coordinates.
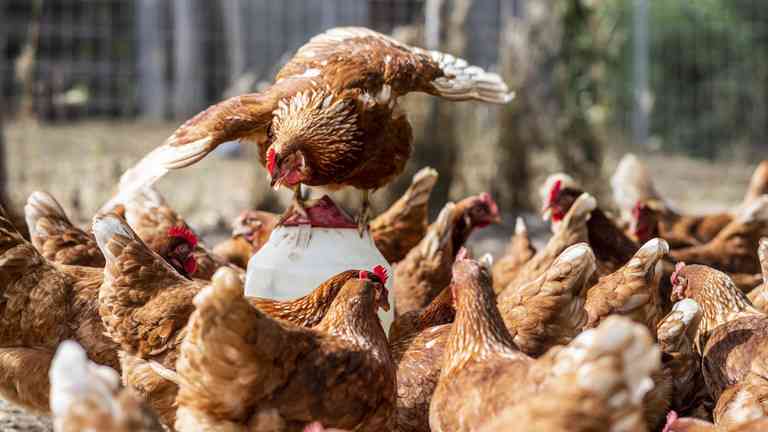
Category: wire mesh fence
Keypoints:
(574, 64)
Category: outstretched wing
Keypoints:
(242, 117)
(356, 57)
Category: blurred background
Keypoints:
(89, 86)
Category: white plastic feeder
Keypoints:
(301, 254)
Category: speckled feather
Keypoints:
(55, 237)
(336, 100)
(274, 363)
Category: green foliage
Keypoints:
(708, 71)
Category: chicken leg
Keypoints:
(297, 206)
(365, 213)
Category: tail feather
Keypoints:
(120, 245)
(762, 253)
(73, 379)
(421, 187)
(681, 321)
(579, 212)
(614, 360)
(756, 210)
(225, 322)
(87, 396)
(54, 235)
(758, 184)
(439, 233)
(463, 81)
(649, 254)
(632, 182)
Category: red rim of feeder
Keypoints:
(323, 213)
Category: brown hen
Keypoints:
(611, 245)
(332, 116)
(633, 187)
(570, 231)
(590, 385)
(146, 304)
(250, 232)
(264, 381)
(44, 304)
(417, 340)
(732, 340)
(402, 226)
(426, 270)
(633, 290)
(734, 249)
(549, 310)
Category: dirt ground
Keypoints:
(80, 164)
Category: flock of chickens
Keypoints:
(143, 328)
(646, 320)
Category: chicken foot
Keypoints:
(364, 216)
(297, 206)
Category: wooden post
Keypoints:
(152, 58)
(189, 62)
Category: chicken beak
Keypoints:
(384, 300)
(274, 183)
(546, 213)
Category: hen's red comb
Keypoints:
(362, 275)
(555, 191)
(381, 272)
(679, 266)
(184, 233)
(271, 160)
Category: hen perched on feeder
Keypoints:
(332, 116)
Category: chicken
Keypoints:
(480, 363)
(734, 249)
(759, 295)
(611, 246)
(570, 231)
(401, 227)
(86, 396)
(426, 269)
(632, 183)
(250, 232)
(732, 341)
(55, 237)
(264, 380)
(167, 233)
(633, 290)
(483, 372)
(145, 305)
(519, 251)
(687, 424)
(549, 310)
(645, 224)
(417, 340)
(596, 383)
(309, 310)
(633, 187)
(43, 304)
(332, 116)
(676, 334)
